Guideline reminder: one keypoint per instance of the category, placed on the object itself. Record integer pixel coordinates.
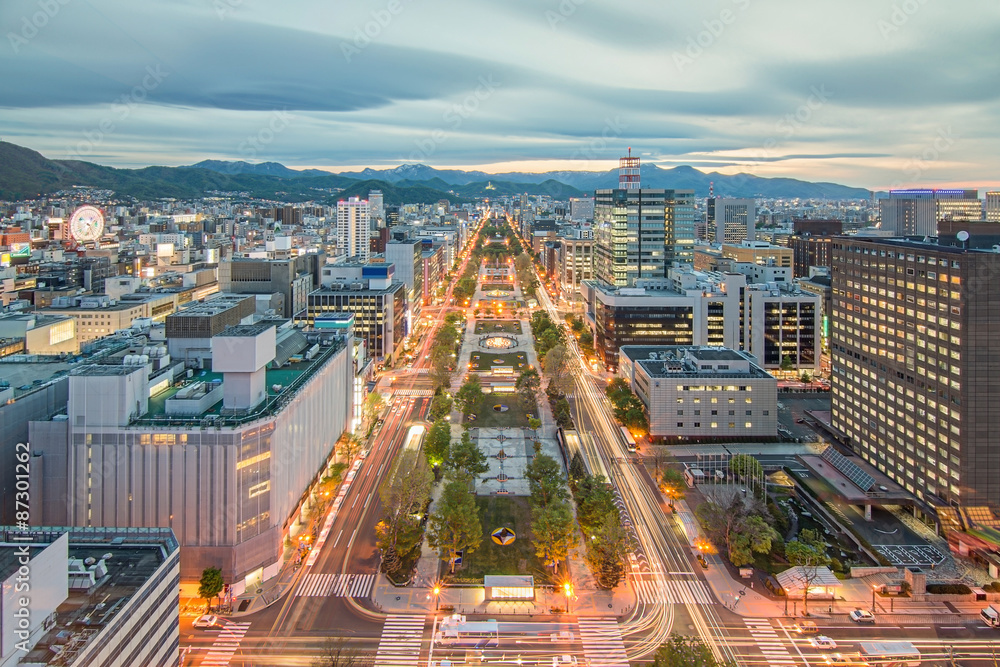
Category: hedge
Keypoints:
(948, 589)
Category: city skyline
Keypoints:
(873, 102)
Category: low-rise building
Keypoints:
(702, 392)
(45, 335)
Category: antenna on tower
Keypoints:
(711, 188)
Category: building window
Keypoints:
(749, 412)
(715, 424)
(697, 424)
(767, 413)
(680, 424)
(749, 424)
(680, 413)
(697, 413)
(715, 412)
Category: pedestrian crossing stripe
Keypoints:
(673, 591)
(402, 637)
(602, 642)
(336, 585)
(413, 392)
(226, 643)
(768, 642)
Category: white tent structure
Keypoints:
(823, 584)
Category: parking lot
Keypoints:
(792, 417)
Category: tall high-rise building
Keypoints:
(376, 208)
(991, 208)
(916, 364)
(640, 233)
(917, 212)
(731, 220)
(353, 228)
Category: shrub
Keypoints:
(995, 587)
(948, 589)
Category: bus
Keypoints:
(414, 437)
(454, 630)
(890, 654)
(629, 440)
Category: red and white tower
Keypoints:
(628, 172)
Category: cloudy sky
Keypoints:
(868, 93)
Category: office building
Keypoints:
(98, 316)
(917, 212)
(407, 258)
(353, 229)
(293, 278)
(702, 392)
(376, 208)
(731, 221)
(189, 331)
(575, 262)
(45, 335)
(581, 209)
(782, 327)
(991, 207)
(376, 298)
(101, 597)
(759, 252)
(640, 233)
(221, 455)
(916, 365)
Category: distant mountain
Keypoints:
(653, 176)
(395, 194)
(261, 169)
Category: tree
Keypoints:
(469, 394)
(606, 552)
(337, 652)
(534, 424)
(753, 535)
(787, 363)
(441, 367)
(746, 467)
(374, 404)
(211, 584)
(672, 483)
(685, 651)
(440, 407)
(545, 480)
(808, 552)
(404, 494)
(618, 391)
(554, 532)
(557, 365)
(722, 521)
(577, 469)
(466, 457)
(350, 445)
(528, 384)
(562, 413)
(594, 501)
(437, 443)
(633, 416)
(455, 525)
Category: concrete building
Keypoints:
(294, 278)
(991, 207)
(581, 209)
(702, 392)
(640, 233)
(916, 365)
(44, 335)
(782, 326)
(376, 208)
(575, 264)
(917, 212)
(731, 221)
(98, 316)
(407, 256)
(220, 456)
(353, 228)
(98, 597)
(810, 251)
(759, 252)
(377, 300)
(190, 331)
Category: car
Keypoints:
(363, 454)
(823, 642)
(206, 621)
(862, 616)
(805, 627)
(800, 420)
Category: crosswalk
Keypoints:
(336, 585)
(602, 642)
(225, 645)
(402, 636)
(672, 591)
(767, 640)
(413, 392)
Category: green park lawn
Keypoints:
(486, 360)
(512, 512)
(498, 326)
(516, 415)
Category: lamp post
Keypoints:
(569, 591)
(874, 588)
(437, 598)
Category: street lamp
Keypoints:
(437, 598)
(569, 591)
(874, 588)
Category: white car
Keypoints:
(823, 642)
(862, 616)
(206, 621)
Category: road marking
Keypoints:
(336, 585)
(602, 642)
(402, 637)
(353, 535)
(768, 642)
(226, 644)
(336, 541)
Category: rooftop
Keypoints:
(245, 330)
(915, 243)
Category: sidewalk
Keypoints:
(471, 600)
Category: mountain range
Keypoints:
(26, 174)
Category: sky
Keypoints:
(869, 93)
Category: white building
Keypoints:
(220, 456)
(731, 220)
(97, 598)
(353, 228)
(702, 392)
(376, 207)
